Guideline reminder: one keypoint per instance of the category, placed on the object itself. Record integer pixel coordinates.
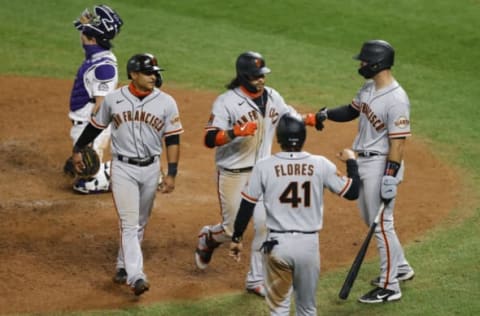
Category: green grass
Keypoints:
(308, 45)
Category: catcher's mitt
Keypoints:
(91, 161)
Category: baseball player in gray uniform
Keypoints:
(292, 183)
(241, 128)
(96, 77)
(383, 109)
(141, 116)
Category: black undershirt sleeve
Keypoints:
(172, 140)
(243, 217)
(210, 138)
(342, 113)
(352, 173)
(88, 135)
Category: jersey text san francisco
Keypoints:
(139, 116)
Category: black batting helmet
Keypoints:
(378, 55)
(144, 63)
(250, 65)
(291, 132)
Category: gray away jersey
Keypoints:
(138, 126)
(384, 114)
(233, 107)
(292, 184)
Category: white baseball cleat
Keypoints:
(91, 186)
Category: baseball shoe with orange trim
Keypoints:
(257, 290)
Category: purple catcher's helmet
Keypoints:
(103, 24)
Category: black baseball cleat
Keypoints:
(140, 287)
(380, 295)
(203, 258)
(120, 276)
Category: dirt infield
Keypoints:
(58, 249)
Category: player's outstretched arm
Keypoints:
(344, 113)
(316, 119)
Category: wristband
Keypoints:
(231, 134)
(391, 169)
(172, 169)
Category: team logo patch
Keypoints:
(103, 87)
(258, 63)
(402, 122)
(175, 120)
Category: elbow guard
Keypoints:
(217, 138)
(209, 138)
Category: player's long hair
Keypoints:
(234, 83)
(241, 81)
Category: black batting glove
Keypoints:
(319, 118)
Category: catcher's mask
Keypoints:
(291, 132)
(103, 24)
(249, 66)
(145, 63)
(378, 55)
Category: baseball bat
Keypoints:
(352, 274)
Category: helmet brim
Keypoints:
(156, 68)
(266, 70)
(263, 71)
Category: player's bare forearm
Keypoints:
(397, 146)
(173, 153)
(173, 156)
(98, 103)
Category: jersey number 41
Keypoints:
(291, 194)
